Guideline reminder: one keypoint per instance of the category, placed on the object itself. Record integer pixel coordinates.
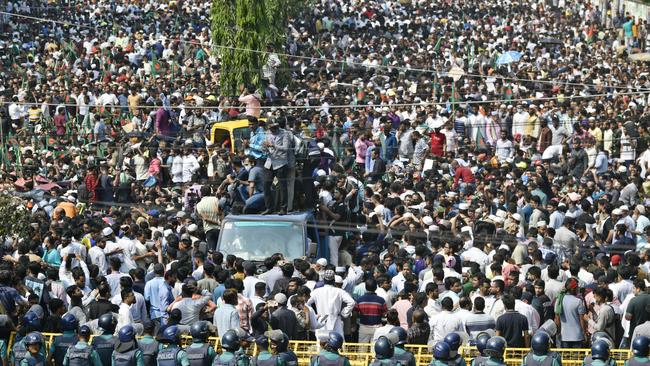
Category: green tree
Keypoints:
(241, 32)
(15, 217)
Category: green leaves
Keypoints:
(15, 217)
(241, 31)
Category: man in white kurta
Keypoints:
(332, 304)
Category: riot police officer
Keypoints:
(30, 323)
(271, 358)
(289, 357)
(495, 349)
(441, 354)
(245, 341)
(149, 345)
(230, 344)
(171, 353)
(384, 351)
(404, 357)
(541, 355)
(481, 342)
(19, 350)
(82, 353)
(329, 354)
(599, 354)
(126, 351)
(454, 341)
(61, 343)
(640, 348)
(34, 344)
(263, 353)
(105, 342)
(603, 336)
(199, 352)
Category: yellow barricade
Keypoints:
(361, 354)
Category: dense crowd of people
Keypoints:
(477, 170)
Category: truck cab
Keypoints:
(256, 237)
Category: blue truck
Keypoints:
(256, 237)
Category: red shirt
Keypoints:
(464, 174)
(437, 143)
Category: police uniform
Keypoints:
(404, 357)
(289, 357)
(589, 361)
(19, 352)
(491, 361)
(104, 345)
(172, 355)
(266, 358)
(638, 361)
(327, 358)
(532, 359)
(3, 349)
(61, 344)
(33, 360)
(132, 357)
(479, 361)
(435, 362)
(149, 347)
(386, 362)
(200, 354)
(81, 354)
(228, 358)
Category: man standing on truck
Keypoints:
(254, 146)
(277, 145)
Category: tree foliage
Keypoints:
(240, 26)
(15, 217)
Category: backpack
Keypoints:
(619, 332)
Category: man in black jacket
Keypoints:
(378, 166)
(283, 318)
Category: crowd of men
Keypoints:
(475, 168)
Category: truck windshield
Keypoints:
(254, 240)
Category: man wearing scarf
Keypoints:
(569, 311)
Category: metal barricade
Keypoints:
(361, 354)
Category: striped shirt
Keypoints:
(371, 308)
(208, 208)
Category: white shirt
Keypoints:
(518, 122)
(397, 283)
(530, 313)
(585, 276)
(65, 276)
(442, 324)
(107, 99)
(82, 104)
(190, 166)
(382, 331)
(433, 308)
(98, 258)
(553, 288)
(128, 250)
(249, 286)
(198, 273)
(475, 255)
(15, 111)
(177, 169)
(386, 295)
(113, 280)
(622, 289)
(334, 303)
(124, 317)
